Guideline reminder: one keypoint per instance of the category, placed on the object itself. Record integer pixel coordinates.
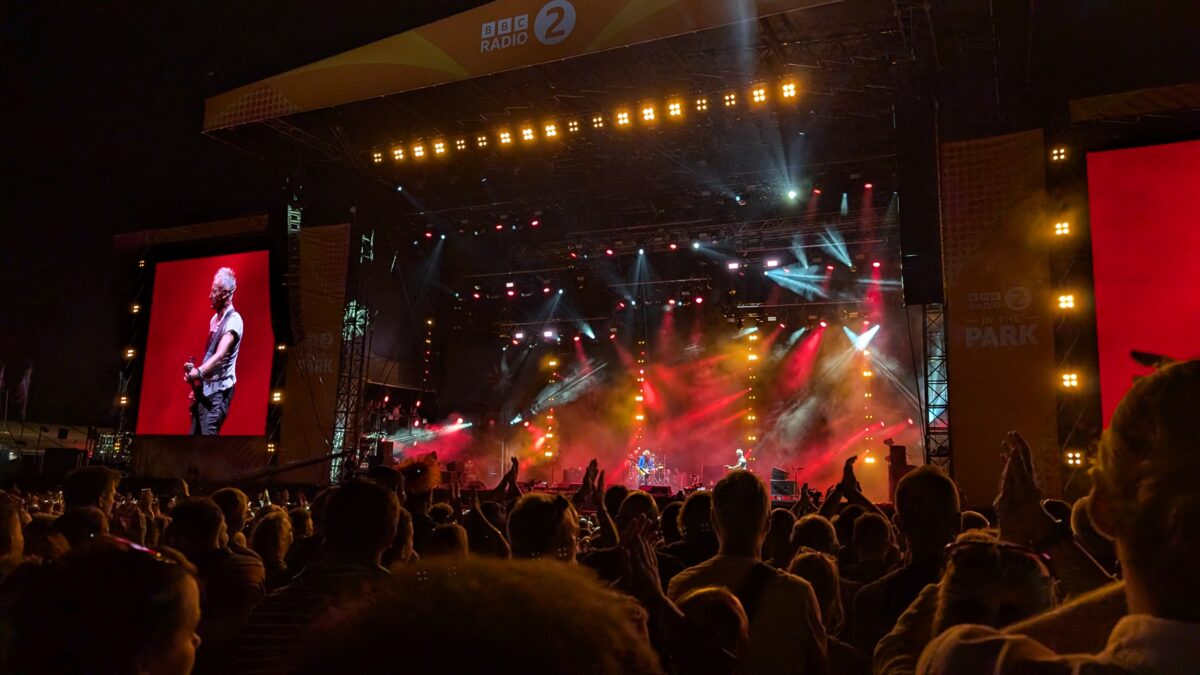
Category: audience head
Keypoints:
(777, 546)
(197, 526)
(992, 583)
(668, 522)
(441, 513)
(814, 532)
(726, 631)
(272, 536)
(739, 512)
(81, 524)
(386, 476)
(695, 520)
(447, 541)
(974, 520)
(434, 605)
(613, 496)
(1144, 492)
(843, 522)
(111, 608)
(927, 511)
(235, 506)
(43, 542)
(637, 503)
(872, 537)
(821, 571)
(302, 525)
(12, 536)
(316, 509)
(543, 526)
(92, 486)
(360, 522)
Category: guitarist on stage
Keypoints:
(645, 465)
(214, 378)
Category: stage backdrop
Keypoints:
(1145, 227)
(179, 318)
(1000, 322)
(312, 369)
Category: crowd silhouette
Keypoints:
(376, 576)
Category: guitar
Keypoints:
(197, 384)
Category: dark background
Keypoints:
(103, 102)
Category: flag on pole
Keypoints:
(23, 391)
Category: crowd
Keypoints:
(372, 576)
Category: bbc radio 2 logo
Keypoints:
(553, 24)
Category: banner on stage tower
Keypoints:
(999, 308)
(499, 36)
(312, 368)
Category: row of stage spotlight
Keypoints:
(553, 335)
(645, 114)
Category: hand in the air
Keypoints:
(1019, 503)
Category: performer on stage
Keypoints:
(740, 463)
(645, 464)
(213, 380)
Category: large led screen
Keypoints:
(1145, 228)
(207, 367)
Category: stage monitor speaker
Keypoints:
(657, 490)
(783, 488)
(920, 211)
(58, 462)
(711, 473)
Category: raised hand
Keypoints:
(640, 564)
(1019, 502)
(849, 482)
(598, 493)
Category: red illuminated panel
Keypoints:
(179, 318)
(1145, 226)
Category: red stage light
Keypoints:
(673, 247)
(475, 295)
(612, 336)
(866, 323)
(823, 324)
(875, 264)
(671, 301)
(829, 268)
(577, 338)
(573, 255)
(546, 289)
(868, 186)
(535, 223)
(816, 191)
(511, 293)
(428, 235)
(608, 251)
(699, 300)
(499, 226)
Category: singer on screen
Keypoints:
(213, 380)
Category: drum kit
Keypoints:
(659, 474)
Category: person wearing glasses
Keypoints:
(1144, 497)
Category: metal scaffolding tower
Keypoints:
(356, 326)
(937, 390)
